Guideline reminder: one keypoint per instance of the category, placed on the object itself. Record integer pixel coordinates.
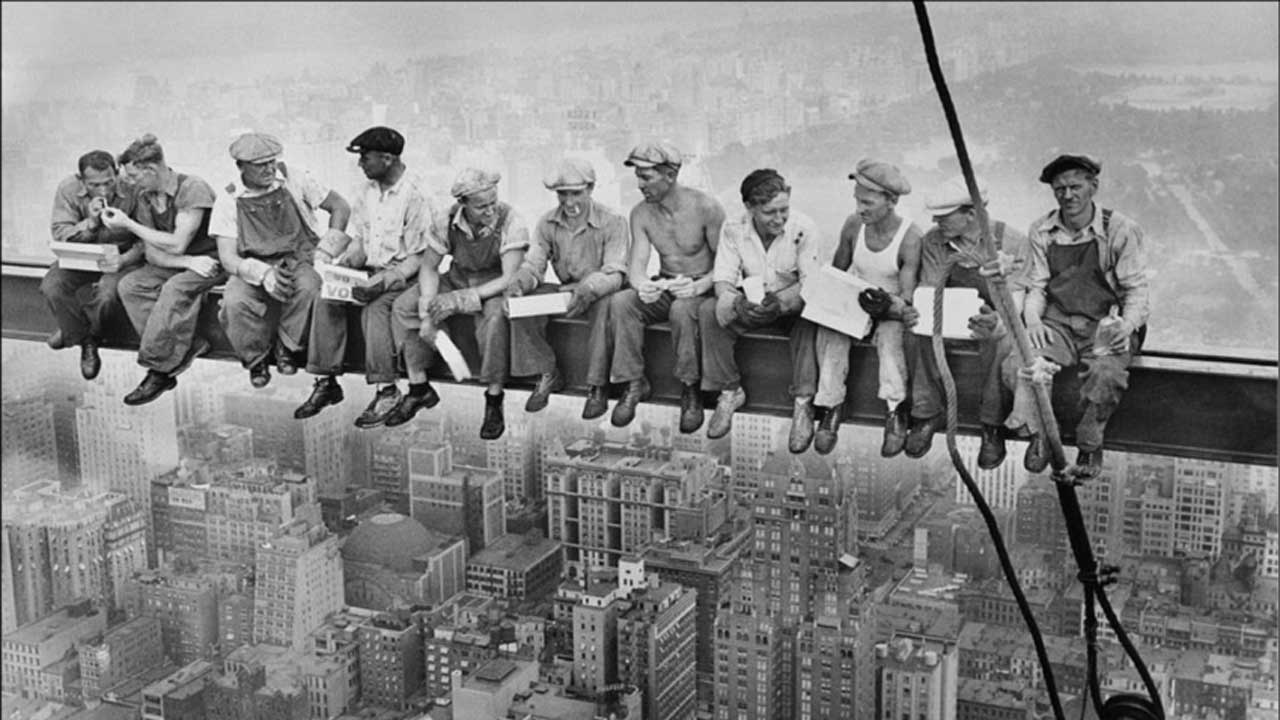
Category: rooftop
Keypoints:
(48, 627)
(515, 552)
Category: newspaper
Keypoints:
(337, 282)
(831, 300)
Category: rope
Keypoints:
(993, 528)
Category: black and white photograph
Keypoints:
(906, 360)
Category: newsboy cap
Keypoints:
(254, 147)
(881, 176)
(377, 139)
(1062, 163)
(951, 196)
(473, 180)
(652, 153)
(570, 174)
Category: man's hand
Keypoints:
(96, 206)
(202, 265)
(579, 302)
(322, 257)
(1038, 334)
(278, 283)
(649, 291)
(513, 289)
(449, 304)
(765, 312)
(369, 291)
(1004, 265)
(875, 302)
(910, 316)
(986, 325)
(427, 331)
(109, 263)
(114, 218)
(683, 287)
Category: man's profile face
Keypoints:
(481, 208)
(258, 175)
(99, 183)
(1074, 190)
(873, 205)
(376, 165)
(953, 224)
(654, 184)
(146, 176)
(573, 203)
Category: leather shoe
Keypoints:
(151, 387)
(90, 363)
(56, 341)
(801, 426)
(409, 406)
(1037, 457)
(1088, 463)
(992, 452)
(382, 404)
(895, 431)
(920, 436)
(722, 419)
(625, 411)
(494, 424)
(597, 402)
(541, 395)
(260, 374)
(824, 440)
(285, 362)
(327, 392)
(691, 414)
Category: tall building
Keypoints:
(656, 649)
(455, 499)
(29, 443)
(753, 439)
(297, 582)
(999, 485)
(882, 487)
(392, 561)
(917, 678)
(513, 456)
(315, 446)
(217, 444)
(595, 637)
(124, 545)
(128, 650)
(606, 500)
(1199, 494)
(389, 459)
(391, 660)
(186, 606)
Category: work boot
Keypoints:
(895, 431)
(722, 419)
(410, 404)
(801, 425)
(597, 402)
(541, 395)
(151, 387)
(285, 362)
(382, 404)
(691, 414)
(327, 392)
(1088, 463)
(1037, 457)
(625, 411)
(90, 363)
(920, 436)
(493, 425)
(824, 440)
(992, 452)
(260, 374)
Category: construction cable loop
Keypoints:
(1123, 705)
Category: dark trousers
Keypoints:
(927, 393)
(327, 345)
(630, 316)
(82, 302)
(720, 367)
(492, 328)
(164, 304)
(531, 354)
(253, 320)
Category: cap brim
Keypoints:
(579, 186)
(636, 162)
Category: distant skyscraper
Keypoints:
(656, 638)
(29, 443)
(1199, 494)
(297, 582)
(999, 485)
(754, 438)
(455, 499)
(315, 446)
(186, 606)
(129, 650)
(917, 678)
(389, 459)
(595, 637)
(391, 657)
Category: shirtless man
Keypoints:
(683, 225)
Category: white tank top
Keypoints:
(879, 267)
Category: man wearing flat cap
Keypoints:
(882, 248)
(1087, 301)
(683, 225)
(586, 244)
(82, 301)
(386, 236)
(487, 240)
(267, 231)
(949, 256)
(776, 248)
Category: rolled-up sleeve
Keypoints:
(1131, 273)
(418, 218)
(516, 234)
(438, 235)
(728, 264)
(1037, 275)
(223, 220)
(534, 266)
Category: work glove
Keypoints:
(449, 304)
(580, 301)
(986, 325)
(767, 311)
(278, 282)
(253, 271)
(369, 291)
(875, 302)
